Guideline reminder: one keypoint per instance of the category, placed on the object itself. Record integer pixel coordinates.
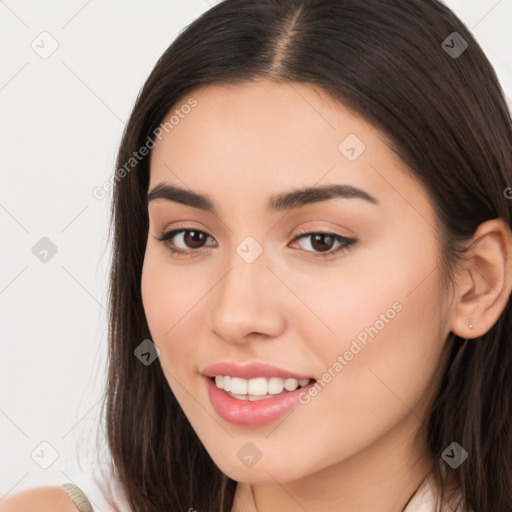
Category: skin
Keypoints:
(350, 447)
(42, 499)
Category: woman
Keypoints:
(311, 270)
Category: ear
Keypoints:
(484, 282)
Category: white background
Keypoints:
(61, 120)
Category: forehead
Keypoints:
(263, 121)
(266, 136)
(282, 118)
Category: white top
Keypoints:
(112, 499)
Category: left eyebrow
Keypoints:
(279, 202)
(305, 196)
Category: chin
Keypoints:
(263, 471)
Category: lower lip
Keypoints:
(252, 413)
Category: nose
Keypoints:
(247, 302)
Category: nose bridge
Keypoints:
(244, 302)
(248, 267)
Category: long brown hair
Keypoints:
(446, 117)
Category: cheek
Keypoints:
(389, 355)
(386, 380)
(387, 333)
(171, 300)
(166, 294)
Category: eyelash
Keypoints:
(347, 242)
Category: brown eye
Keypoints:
(322, 243)
(183, 240)
(194, 239)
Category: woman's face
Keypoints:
(368, 322)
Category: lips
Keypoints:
(253, 410)
(247, 413)
(252, 371)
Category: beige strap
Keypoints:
(78, 497)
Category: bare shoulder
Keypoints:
(38, 499)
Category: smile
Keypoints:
(258, 388)
(253, 410)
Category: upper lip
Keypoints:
(251, 371)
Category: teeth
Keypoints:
(258, 387)
(291, 384)
(275, 385)
(239, 386)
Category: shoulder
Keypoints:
(39, 499)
